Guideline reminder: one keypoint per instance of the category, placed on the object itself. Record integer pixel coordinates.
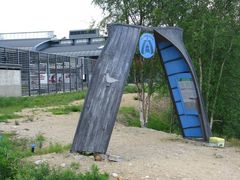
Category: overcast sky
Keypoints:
(59, 16)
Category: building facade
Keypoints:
(49, 64)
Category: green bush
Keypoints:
(130, 88)
(9, 158)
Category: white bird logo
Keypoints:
(110, 79)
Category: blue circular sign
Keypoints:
(147, 45)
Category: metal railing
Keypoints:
(43, 73)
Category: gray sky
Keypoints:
(59, 16)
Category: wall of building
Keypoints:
(10, 82)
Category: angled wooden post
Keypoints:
(105, 91)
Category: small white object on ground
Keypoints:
(115, 175)
(63, 165)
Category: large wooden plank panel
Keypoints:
(105, 91)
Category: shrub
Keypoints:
(130, 88)
(40, 139)
(13, 167)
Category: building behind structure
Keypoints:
(49, 64)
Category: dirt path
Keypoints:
(147, 154)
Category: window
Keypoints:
(97, 40)
(83, 32)
(66, 42)
(81, 41)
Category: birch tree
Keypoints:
(137, 12)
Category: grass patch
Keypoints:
(130, 116)
(13, 166)
(66, 109)
(5, 117)
(159, 122)
(234, 142)
(43, 171)
(9, 105)
(75, 165)
(53, 148)
(164, 120)
(130, 88)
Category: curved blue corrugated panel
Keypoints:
(183, 84)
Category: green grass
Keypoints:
(75, 165)
(44, 172)
(66, 109)
(53, 148)
(158, 121)
(130, 88)
(5, 117)
(13, 166)
(234, 142)
(130, 116)
(9, 105)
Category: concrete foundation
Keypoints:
(10, 82)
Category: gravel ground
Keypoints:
(145, 153)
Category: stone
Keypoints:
(218, 155)
(114, 175)
(114, 158)
(98, 157)
(63, 165)
(40, 161)
(67, 155)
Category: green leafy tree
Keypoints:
(212, 37)
(145, 72)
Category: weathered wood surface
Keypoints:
(105, 91)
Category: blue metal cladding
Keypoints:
(182, 83)
(177, 69)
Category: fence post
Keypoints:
(76, 73)
(39, 80)
(63, 73)
(18, 56)
(81, 73)
(48, 72)
(56, 73)
(70, 75)
(29, 77)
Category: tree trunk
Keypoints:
(141, 114)
(200, 73)
(210, 69)
(218, 85)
